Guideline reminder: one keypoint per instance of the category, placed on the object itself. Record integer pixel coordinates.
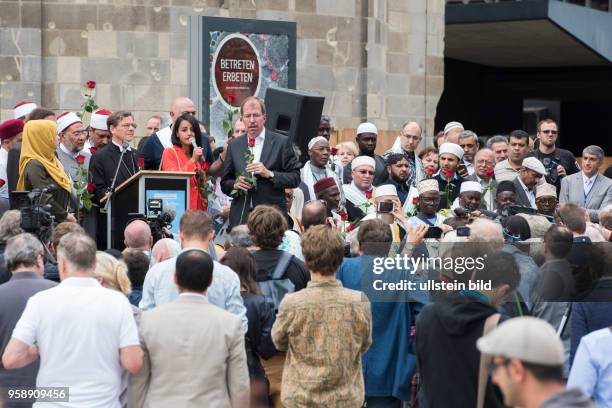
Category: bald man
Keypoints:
(137, 235)
(158, 141)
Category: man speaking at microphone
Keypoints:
(262, 155)
(105, 162)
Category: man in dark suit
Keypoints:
(24, 257)
(105, 161)
(529, 176)
(274, 165)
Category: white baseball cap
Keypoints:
(534, 164)
(526, 338)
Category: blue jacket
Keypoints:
(390, 363)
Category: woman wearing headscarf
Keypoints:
(39, 167)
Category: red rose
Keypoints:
(141, 162)
(91, 84)
(489, 172)
(251, 142)
(430, 171)
(343, 216)
(91, 187)
(415, 200)
(448, 173)
(334, 151)
(350, 228)
(230, 98)
(2, 182)
(205, 166)
(80, 159)
(368, 194)
(93, 149)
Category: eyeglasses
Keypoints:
(365, 172)
(128, 125)
(492, 366)
(79, 133)
(547, 131)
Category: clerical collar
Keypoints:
(121, 147)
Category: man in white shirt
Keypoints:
(10, 135)
(84, 334)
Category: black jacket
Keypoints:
(453, 190)
(103, 165)
(267, 259)
(259, 335)
(447, 357)
(278, 156)
(12, 171)
(36, 176)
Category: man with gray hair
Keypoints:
(588, 188)
(98, 337)
(499, 145)
(10, 225)
(24, 260)
(468, 141)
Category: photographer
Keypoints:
(39, 168)
(558, 162)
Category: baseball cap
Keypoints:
(526, 338)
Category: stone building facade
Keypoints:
(380, 60)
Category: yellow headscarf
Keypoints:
(39, 143)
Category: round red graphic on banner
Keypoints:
(237, 69)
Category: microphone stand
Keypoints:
(111, 189)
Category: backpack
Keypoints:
(275, 287)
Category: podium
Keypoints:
(132, 196)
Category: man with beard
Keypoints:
(529, 176)
(366, 138)
(449, 182)
(558, 162)
(504, 197)
(99, 136)
(546, 199)
(72, 136)
(399, 170)
(316, 168)
(359, 192)
(327, 190)
(469, 196)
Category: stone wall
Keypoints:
(380, 60)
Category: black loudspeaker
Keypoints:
(295, 114)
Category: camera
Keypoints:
(385, 207)
(551, 168)
(36, 218)
(159, 221)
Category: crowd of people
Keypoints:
(344, 281)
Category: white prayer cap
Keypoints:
(367, 127)
(546, 190)
(470, 186)
(65, 120)
(99, 118)
(451, 148)
(385, 190)
(452, 125)
(316, 140)
(534, 164)
(363, 161)
(23, 108)
(428, 185)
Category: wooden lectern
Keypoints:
(132, 196)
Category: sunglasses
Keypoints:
(547, 131)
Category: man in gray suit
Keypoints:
(194, 351)
(588, 188)
(530, 174)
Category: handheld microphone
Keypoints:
(195, 146)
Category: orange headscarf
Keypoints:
(39, 143)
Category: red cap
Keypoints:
(11, 128)
(323, 184)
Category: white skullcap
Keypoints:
(99, 118)
(451, 148)
(65, 120)
(385, 190)
(546, 190)
(363, 161)
(470, 186)
(452, 125)
(534, 164)
(367, 127)
(316, 140)
(23, 108)
(428, 185)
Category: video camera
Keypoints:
(159, 220)
(36, 218)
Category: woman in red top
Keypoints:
(183, 157)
